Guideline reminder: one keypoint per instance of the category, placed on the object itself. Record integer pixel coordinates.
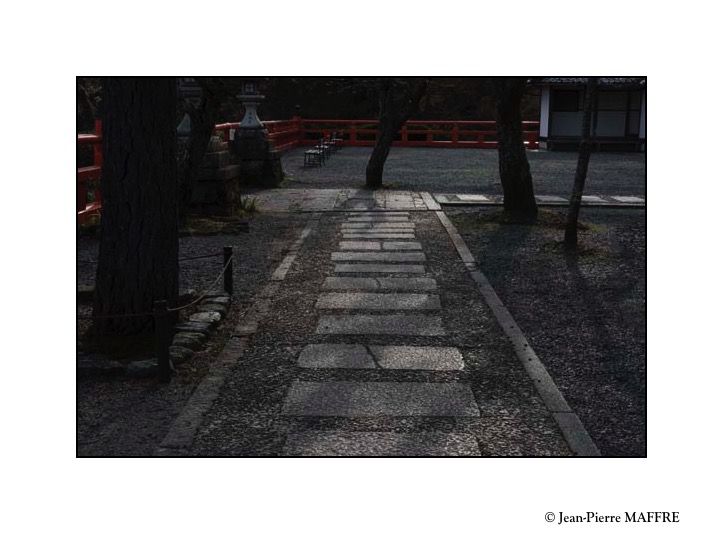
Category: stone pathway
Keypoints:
(375, 342)
(354, 399)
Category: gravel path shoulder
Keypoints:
(128, 417)
(585, 316)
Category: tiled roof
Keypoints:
(625, 82)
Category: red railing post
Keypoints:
(404, 134)
(353, 135)
(455, 135)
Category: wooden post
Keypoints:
(353, 135)
(228, 265)
(162, 339)
(455, 136)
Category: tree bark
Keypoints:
(519, 197)
(138, 261)
(582, 165)
(398, 102)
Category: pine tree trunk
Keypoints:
(519, 197)
(582, 166)
(398, 101)
(381, 150)
(138, 261)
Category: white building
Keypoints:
(619, 123)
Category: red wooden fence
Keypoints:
(287, 134)
(89, 201)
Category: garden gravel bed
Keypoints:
(118, 415)
(463, 170)
(585, 315)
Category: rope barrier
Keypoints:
(179, 260)
(180, 308)
(208, 290)
(198, 257)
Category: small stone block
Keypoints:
(335, 356)
(380, 283)
(376, 219)
(395, 325)
(378, 301)
(472, 198)
(201, 327)
(369, 245)
(377, 257)
(379, 236)
(624, 199)
(550, 199)
(212, 317)
(401, 246)
(380, 268)
(426, 358)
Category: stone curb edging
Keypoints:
(180, 436)
(572, 428)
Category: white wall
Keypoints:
(544, 111)
(642, 116)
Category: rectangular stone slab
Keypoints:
(374, 219)
(378, 231)
(625, 199)
(378, 443)
(380, 236)
(335, 356)
(472, 198)
(427, 358)
(393, 325)
(380, 283)
(362, 399)
(379, 213)
(348, 268)
(383, 256)
(401, 246)
(378, 301)
(351, 245)
(383, 225)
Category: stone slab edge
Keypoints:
(180, 436)
(498, 202)
(283, 268)
(429, 201)
(570, 425)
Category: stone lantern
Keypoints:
(259, 162)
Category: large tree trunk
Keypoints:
(398, 101)
(519, 198)
(582, 166)
(138, 260)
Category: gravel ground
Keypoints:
(246, 419)
(463, 170)
(123, 416)
(585, 316)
